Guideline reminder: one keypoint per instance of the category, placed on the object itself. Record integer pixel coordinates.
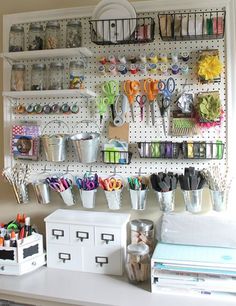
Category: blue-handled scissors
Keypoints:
(167, 88)
(141, 100)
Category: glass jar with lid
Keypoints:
(38, 77)
(18, 77)
(52, 35)
(138, 262)
(76, 75)
(16, 38)
(36, 36)
(73, 34)
(56, 76)
(142, 232)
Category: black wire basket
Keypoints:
(116, 157)
(122, 31)
(181, 150)
(192, 26)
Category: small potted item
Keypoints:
(209, 66)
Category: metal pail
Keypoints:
(54, 147)
(86, 146)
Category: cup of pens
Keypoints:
(192, 182)
(112, 187)
(164, 185)
(138, 188)
(88, 186)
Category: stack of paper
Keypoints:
(194, 268)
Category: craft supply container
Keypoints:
(56, 76)
(52, 35)
(38, 77)
(142, 232)
(113, 199)
(166, 200)
(138, 199)
(76, 75)
(16, 38)
(219, 200)
(73, 34)
(193, 200)
(138, 262)
(18, 77)
(41, 190)
(36, 37)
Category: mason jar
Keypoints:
(38, 77)
(16, 38)
(142, 232)
(138, 262)
(52, 35)
(18, 77)
(73, 34)
(36, 36)
(56, 75)
(76, 75)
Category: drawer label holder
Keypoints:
(101, 260)
(107, 237)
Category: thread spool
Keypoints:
(122, 59)
(103, 60)
(102, 69)
(133, 59)
(175, 69)
(174, 57)
(152, 68)
(112, 69)
(153, 58)
(184, 69)
(163, 58)
(185, 56)
(142, 68)
(122, 69)
(163, 69)
(133, 69)
(143, 58)
(112, 59)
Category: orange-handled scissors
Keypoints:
(131, 89)
(150, 87)
(112, 184)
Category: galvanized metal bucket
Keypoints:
(86, 145)
(54, 146)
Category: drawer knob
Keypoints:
(57, 233)
(2, 268)
(107, 237)
(82, 235)
(64, 257)
(101, 260)
(33, 263)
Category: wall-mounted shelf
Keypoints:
(49, 93)
(52, 53)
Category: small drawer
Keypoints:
(8, 255)
(104, 261)
(107, 236)
(58, 233)
(82, 235)
(64, 257)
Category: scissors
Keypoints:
(167, 88)
(102, 103)
(141, 99)
(131, 88)
(121, 109)
(151, 89)
(111, 90)
(55, 184)
(88, 182)
(111, 184)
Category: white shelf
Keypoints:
(52, 53)
(49, 93)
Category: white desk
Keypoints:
(47, 287)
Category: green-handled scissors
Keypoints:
(102, 103)
(111, 90)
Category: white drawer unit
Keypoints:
(86, 241)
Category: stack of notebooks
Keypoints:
(191, 268)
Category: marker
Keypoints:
(1, 241)
(13, 242)
(7, 240)
(27, 227)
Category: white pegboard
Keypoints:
(139, 131)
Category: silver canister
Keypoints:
(138, 199)
(142, 232)
(193, 200)
(166, 200)
(41, 190)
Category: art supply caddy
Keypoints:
(135, 110)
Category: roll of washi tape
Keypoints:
(190, 150)
(143, 68)
(102, 69)
(112, 69)
(122, 59)
(38, 108)
(174, 57)
(112, 59)
(143, 58)
(103, 60)
(168, 150)
(185, 56)
(208, 150)
(133, 69)
(152, 68)
(163, 58)
(184, 69)
(30, 109)
(65, 108)
(122, 69)
(219, 145)
(155, 149)
(163, 69)
(175, 69)
(153, 58)
(47, 109)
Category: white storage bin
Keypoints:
(86, 241)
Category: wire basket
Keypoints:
(122, 31)
(181, 150)
(192, 26)
(116, 157)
